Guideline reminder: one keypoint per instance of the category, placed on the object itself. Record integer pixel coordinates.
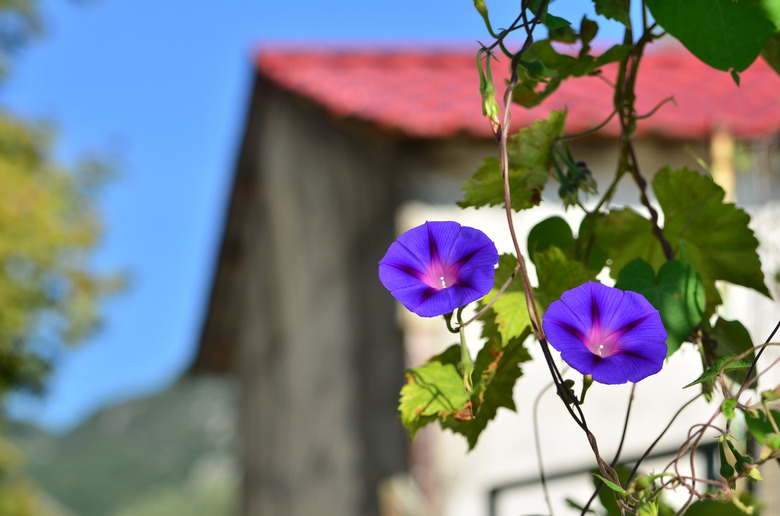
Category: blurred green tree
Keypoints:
(49, 227)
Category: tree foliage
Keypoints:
(48, 229)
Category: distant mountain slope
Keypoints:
(150, 452)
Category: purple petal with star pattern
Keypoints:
(439, 266)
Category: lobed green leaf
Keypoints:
(433, 391)
(557, 273)
(496, 372)
(626, 236)
(529, 163)
(710, 234)
(509, 313)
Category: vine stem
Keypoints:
(536, 321)
(495, 298)
(538, 446)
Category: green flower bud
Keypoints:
(754, 473)
(481, 7)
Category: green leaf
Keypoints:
(529, 164)
(715, 369)
(553, 22)
(771, 52)
(725, 34)
(564, 34)
(433, 391)
(550, 21)
(551, 68)
(625, 236)
(759, 425)
(588, 250)
(553, 231)
(557, 273)
(773, 441)
(496, 371)
(677, 293)
(614, 10)
(729, 338)
(610, 484)
(713, 235)
(607, 497)
(510, 313)
(713, 508)
(588, 30)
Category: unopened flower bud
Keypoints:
(481, 7)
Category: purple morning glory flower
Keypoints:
(612, 335)
(439, 266)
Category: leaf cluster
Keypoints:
(529, 164)
(435, 390)
(675, 261)
(48, 229)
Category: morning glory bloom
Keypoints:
(612, 335)
(439, 266)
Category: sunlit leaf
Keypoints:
(496, 371)
(529, 164)
(432, 391)
(710, 234)
(610, 484)
(509, 312)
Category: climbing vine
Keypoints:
(664, 265)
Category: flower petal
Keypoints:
(631, 311)
(417, 243)
(443, 235)
(564, 330)
(580, 359)
(624, 367)
(473, 249)
(579, 301)
(464, 258)
(445, 301)
(627, 325)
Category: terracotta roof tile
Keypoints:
(433, 94)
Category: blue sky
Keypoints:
(164, 86)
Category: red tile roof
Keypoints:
(433, 94)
